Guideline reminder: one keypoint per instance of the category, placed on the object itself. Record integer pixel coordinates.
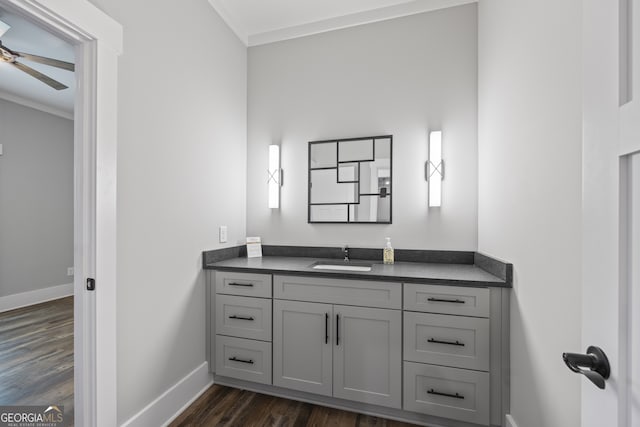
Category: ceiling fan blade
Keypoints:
(38, 75)
(47, 61)
(4, 27)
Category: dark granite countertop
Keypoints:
(446, 273)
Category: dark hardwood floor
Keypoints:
(36, 355)
(226, 406)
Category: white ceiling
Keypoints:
(264, 21)
(254, 21)
(17, 86)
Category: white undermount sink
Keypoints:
(341, 266)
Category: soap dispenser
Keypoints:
(387, 256)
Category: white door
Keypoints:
(367, 358)
(302, 357)
(611, 181)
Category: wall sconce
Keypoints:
(275, 176)
(434, 169)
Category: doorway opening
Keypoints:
(37, 90)
(97, 41)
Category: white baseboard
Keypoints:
(174, 401)
(510, 421)
(11, 302)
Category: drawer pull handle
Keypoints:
(455, 301)
(250, 285)
(455, 396)
(235, 359)
(337, 329)
(241, 317)
(461, 344)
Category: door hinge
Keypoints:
(91, 284)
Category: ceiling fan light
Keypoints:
(4, 27)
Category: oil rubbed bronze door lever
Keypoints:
(593, 365)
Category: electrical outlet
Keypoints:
(70, 271)
(223, 234)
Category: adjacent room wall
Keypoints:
(403, 77)
(530, 192)
(36, 199)
(181, 174)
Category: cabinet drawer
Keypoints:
(244, 284)
(447, 299)
(441, 339)
(243, 359)
(243, 317)
(364, 293)
(447, 392)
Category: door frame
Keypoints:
(98, 42)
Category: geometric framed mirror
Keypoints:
(350, 180)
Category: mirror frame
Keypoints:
(389, 194)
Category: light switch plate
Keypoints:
(70, 271)
(223, 234)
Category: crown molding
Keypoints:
(234, 25)
(352, 20)
(36, 105)
(360, 18)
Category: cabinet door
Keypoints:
(302, 341)
(367, 355)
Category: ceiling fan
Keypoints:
(11, 57)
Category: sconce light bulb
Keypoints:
(274, 176)
(435, 166)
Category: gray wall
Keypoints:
(401, 77)
(530, 135)
(36, 199)
(181, 173)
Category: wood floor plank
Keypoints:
(36, 355)
(230, 407)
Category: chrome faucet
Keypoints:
(345, 251)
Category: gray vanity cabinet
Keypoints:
(421, 352)
(361, 346)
